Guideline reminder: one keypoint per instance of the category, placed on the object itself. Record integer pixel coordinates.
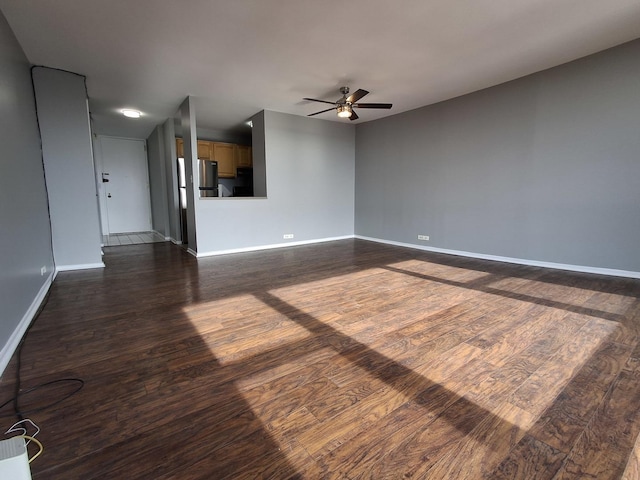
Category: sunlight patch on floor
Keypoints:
(437, 270)
(467, 370)
(350, 366)
(580, 297)
(233, 331)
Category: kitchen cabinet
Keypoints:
(228, 155)
(223, 153)
(204, 150)
(243, 156)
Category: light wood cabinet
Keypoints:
(204, 150)
(223, 153)
(243, 156)
(228, 155)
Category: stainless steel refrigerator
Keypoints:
(208, 178)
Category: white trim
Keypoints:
(270, 246)
(174, 241)
(166, 239)
(14, 340)
(518, 261)
(192, 252)
(80, 266)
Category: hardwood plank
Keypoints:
(632, 470)
(548, 381)
(531, 458)
(478, 453)
(518, 366)
(340, 360)
(431, 441)
(564, 421)
(604, 445)
(347, 460)
(342, 427)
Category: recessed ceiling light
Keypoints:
(131, 113)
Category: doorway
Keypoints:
(125, 185)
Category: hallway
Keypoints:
(132, 238)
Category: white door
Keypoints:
(128, 204)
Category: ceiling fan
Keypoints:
(345, 105)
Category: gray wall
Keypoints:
(258, 153)
(25, 241)
(171, 178)
(223, 136)
(215, 135)
(544, 168)
(68, 158)
(310, 188)
(157, 181)
(190, 145)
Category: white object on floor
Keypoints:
(14, 459)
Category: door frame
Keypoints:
(102, 191)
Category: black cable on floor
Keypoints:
(20, 414)
(17, 393)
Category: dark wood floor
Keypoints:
(344, 360)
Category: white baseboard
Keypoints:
(85, 266)
(174, 241)
(14, 340)
(166, 238)
(518, 261)
(268, 247)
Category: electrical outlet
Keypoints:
(423, 237)
(287, 236)
(43, 270)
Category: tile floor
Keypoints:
(131, 238)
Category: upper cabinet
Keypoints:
(228, 155)
(204, 150)
(223, 154)
(243, 156)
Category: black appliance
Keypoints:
(243, 191)
(244, 182)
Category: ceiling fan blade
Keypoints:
(322, 111)
(373, 105)
(321, 101)
(357, 95)
(354, 116)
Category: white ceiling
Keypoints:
(242, 56)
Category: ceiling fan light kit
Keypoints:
(345, 105)
(344, 111)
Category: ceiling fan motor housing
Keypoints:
(344, 91)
